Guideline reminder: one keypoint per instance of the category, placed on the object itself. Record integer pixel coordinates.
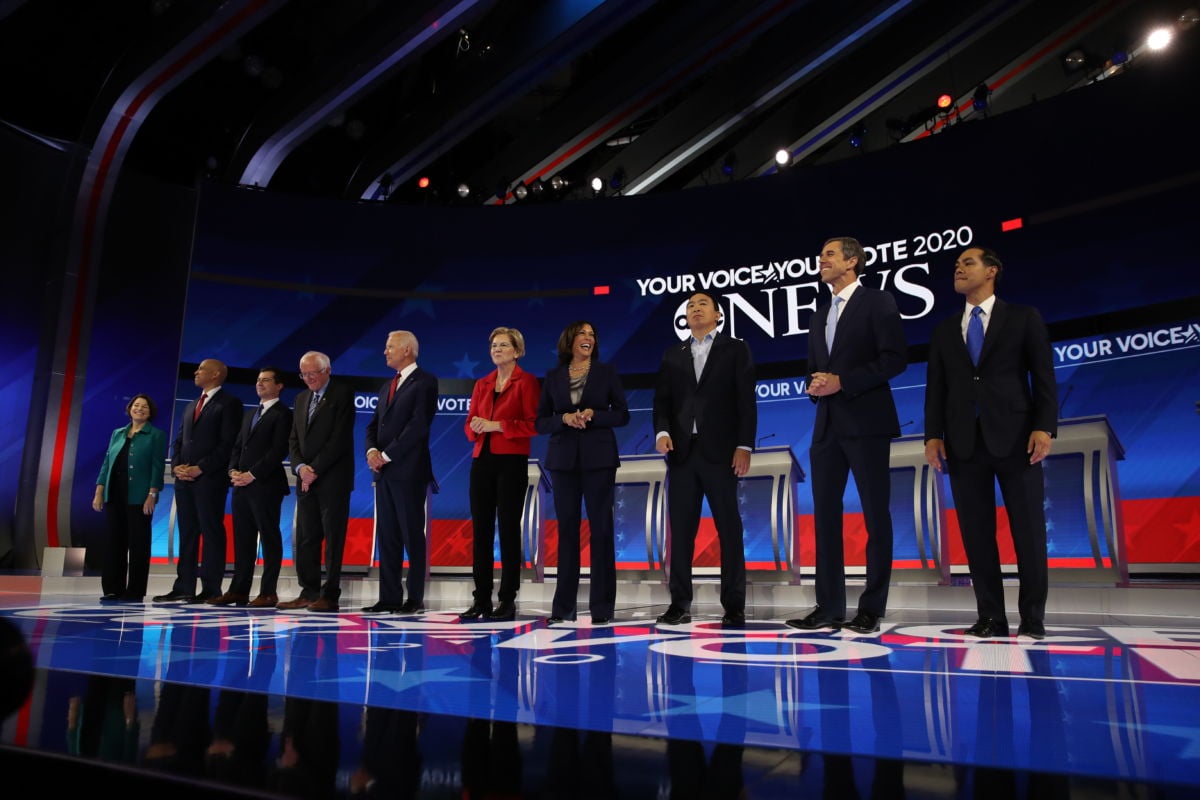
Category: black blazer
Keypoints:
(721, 404)
(401, 429)
(208, 442)
(328, 444)
(868, 351)
(261, 451)
(594, 447)
(1013, 387)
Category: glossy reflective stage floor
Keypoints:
(1108, 705)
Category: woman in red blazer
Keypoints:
(500, 423)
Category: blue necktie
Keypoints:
(257, 416)
(975, 334)
(831, 323)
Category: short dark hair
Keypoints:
(149, 401)
(991, 258)
(276, 373)
(566, 341)
(851, 248)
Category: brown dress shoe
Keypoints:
(291, 605)
(265, 601)
(324, 605)
(229, 599)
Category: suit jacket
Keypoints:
(868, 351)
(594, 447)
(1013, 387)
(147, 461)
(208, 442)
(261, 451)
(400, 429)
(516, 408)
(327, 445)
(721, 404)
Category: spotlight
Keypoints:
(728, 164)
(423, 182)
(558, 183)
(980, 99)
(1158, 39)
(618, 179)
(1075, 60)
(1187, 18)
(783, 156)
(520, 191)
(597, 185)
(464, 191)
(945, 102)
(537, 187)
(857, 134)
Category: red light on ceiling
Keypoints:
(597, 290)
(423, 182)
(1016, 223)
(944, 101)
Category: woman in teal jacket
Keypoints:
(130, 480)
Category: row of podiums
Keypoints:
(1086, 534)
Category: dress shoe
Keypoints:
(733, 619)
(987, 627)
(1033, 628)
(674, 616)
(863, 622)
(410, 607)
(229, 599)
(292, 605)
(555, 620)
(202, 599)
(323, 605)
(172, 597)
(601, 620)
(265, 601)
(815, 620)
(476, 611)
(110, 597)
(507, 610)
(381, 608)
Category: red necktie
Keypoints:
(199, 405)
(392, 391)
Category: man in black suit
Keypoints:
(991, 411)
(856, 345)
(322, 450)
(398, 454)
(706, 417)
(199, 456)
(259, 486)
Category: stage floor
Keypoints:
(434, 707)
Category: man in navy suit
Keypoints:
(259, 486)
(855, 346)
(199, 457)
(706, 417)
(321, 446)
(991, 411)
(398, 454)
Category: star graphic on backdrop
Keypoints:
(403, 680)
(424, 305)
(1190, 750)
(761, 706)
(1049, 526)
(466, 367)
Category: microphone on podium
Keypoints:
(904, 425)
(638, 448)
(762, 439)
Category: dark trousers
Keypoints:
(256, 515)
(595, 489)
(321, 517)
(400, 522)
(973, 482)
(498, 486)
(688, 484)
(200, 509)
(832, 460)
(128, 538)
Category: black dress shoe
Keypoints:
(507, 610)
(674, 616)
(815, 620)
(863, 622)
(733, 619)
(1033, 628)
(110, 597)
(987, 627)
(555, 620)
(476, 611)
(601, 620)
(173, 597)
(381, 608)
(410, 607)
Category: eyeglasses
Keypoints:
(307, 375)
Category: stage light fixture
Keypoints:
(729, 163)
(979, 100)
(1075, 60)
(782, 156)
(1159, 39)
(520, 191)
(558, 183)
(423, 182)
(597, 185)
(537, 187)
(945, 102)
(464, 191)
(857, 134)
(1187, 18)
